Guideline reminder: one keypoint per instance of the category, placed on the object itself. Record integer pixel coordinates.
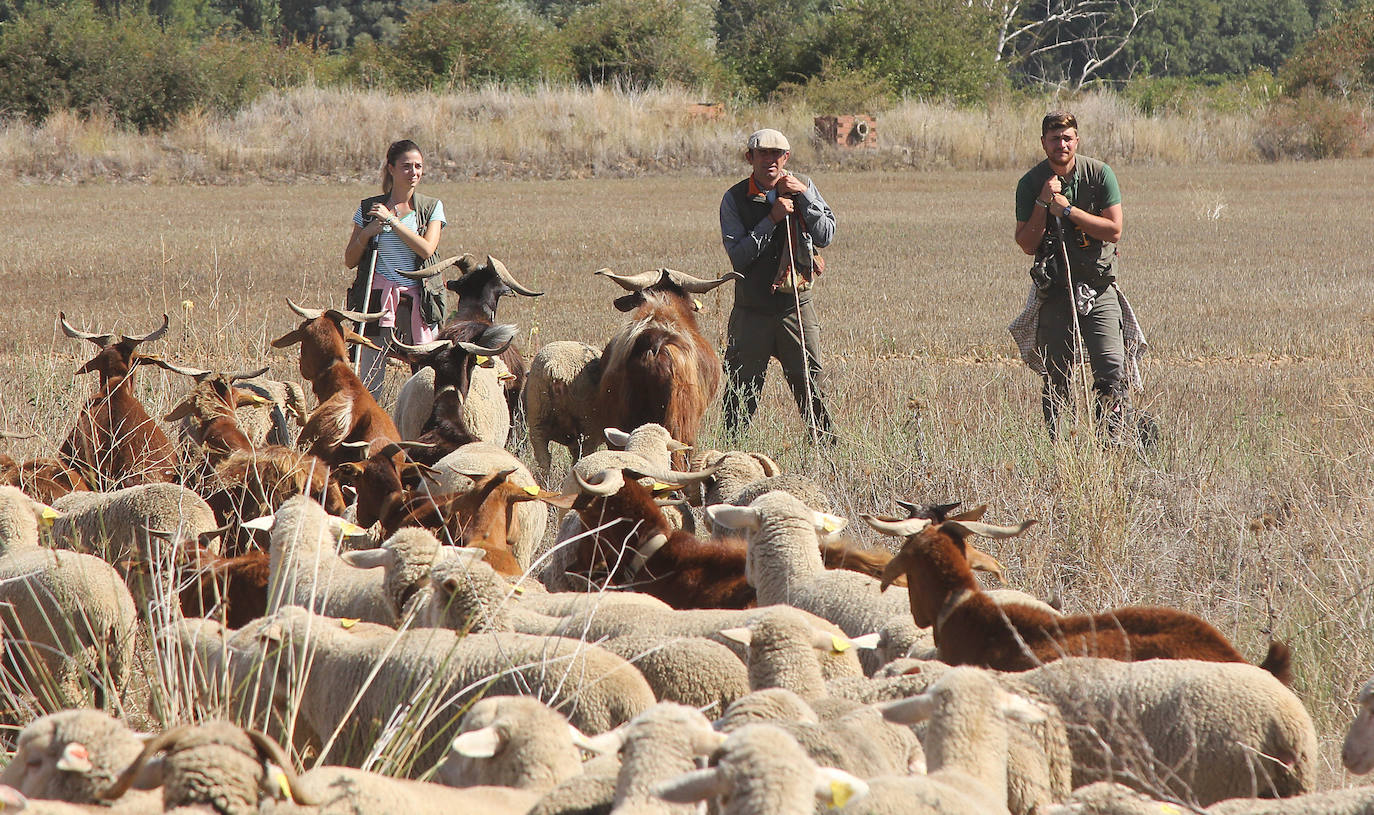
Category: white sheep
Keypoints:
(120, 526)
(485, 411)
(1358, 752)
(1201, 731)
(529, 519)
(353, 678)
(307, 570)
(68, 617)
(560, 400)
(966, 748)
(405, 559)
(71, 755)
(348, 791)
(761, 768)
(512, 741)
(648, 449)
(655, 746)
(1108, 798)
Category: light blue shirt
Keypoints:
(393, 255)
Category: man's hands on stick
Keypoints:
(1053, 193)
(788, 186)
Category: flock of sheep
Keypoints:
(379, 601)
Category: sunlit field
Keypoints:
(1255, 286)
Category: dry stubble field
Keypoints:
(1254, 284)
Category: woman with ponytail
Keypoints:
(395, 237)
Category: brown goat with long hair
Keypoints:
(115, 443)
(970, 629)
(659, 368)
(347, 412)
(643, 551)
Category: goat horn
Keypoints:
(357, 316)
(495, 350)
(155, 335)
(423, 348)
(638, 282)
(770, 467)
(510, 281)
(608, 482)
(442, 266)
(696, 285)
(99, 339)
(305, 313)
(269, 749)
(897, 529)
(410, 444)
(237, 375)
(195, 373)
(675, 476)
(151, 748)
(6, 434)
(915, 510)
(992, 530)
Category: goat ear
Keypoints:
(975, 514)
(244, 397)
(181, 411)
(561, 500)
(698, 785)
(983, 562)
(628, 302)
(733, 517)
(482, 743)
(288, 339)
(895, 568)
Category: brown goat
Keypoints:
(644, 552)
(232, 589)
(115, 443)
(42, 478)
(346, 412)
(659, 368)
(209, 409)
(970, 629)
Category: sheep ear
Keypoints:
(368, 558)
(836, 788)
(1020, 709)
(826, 523)
(616, 436)
(263, 524)
(911, 710)
(838, 644)
(698, 785)
(483, 743)
(733, 517)
(743, 636)
(75, 758)
(604, 744)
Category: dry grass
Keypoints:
(561, 132)
(1253, 282)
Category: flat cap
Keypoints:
(767, 139)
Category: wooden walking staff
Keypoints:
(801, 334)
(1081, 363)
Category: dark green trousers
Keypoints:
(755, 337)
(1103, 343)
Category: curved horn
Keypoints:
(932, 511)
(99, 339)
(502, 335)
(638, 282)
(770, 467)
(608, 482)
(675, 476)
(195, 373)
(269, 749)
(357, 316)
(513, 284)
(237, 375)
(151, 748)
(696, 285)
(305, 313)
(423, 348)
(897, 529)
(992, 530)
(155, 335)
(442, 266)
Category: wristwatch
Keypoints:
(1067, 209)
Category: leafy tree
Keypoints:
(642, 42)
(768, 42)
(457, 43)
(926, 48)
(1338, 60)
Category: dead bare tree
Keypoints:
(1065, 43)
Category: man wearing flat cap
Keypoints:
(772, 223)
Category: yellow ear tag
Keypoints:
(481, 360)
(505, 377)
(48, 515)
(829, 525)
(282, 783)
(1170, 809)
(698, 304)
(532, 490)
(349, 529)
(349, 622)
(519, 589)
(659, 486)
(839, 794)
(838, 644)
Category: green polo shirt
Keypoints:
(1091, 187)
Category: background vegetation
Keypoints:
(1302, 71)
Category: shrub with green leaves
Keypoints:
(1339, 59)
(643, 42)
(461, 43)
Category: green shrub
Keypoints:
(1153, 96)
(769, 42)
(931, 49)
(643, 42)
(835, 90)
(458, 43)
